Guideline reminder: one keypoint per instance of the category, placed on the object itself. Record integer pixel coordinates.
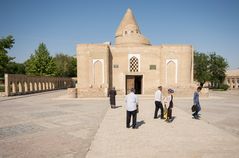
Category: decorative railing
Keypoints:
(16, 84)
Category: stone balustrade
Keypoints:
(16, 84)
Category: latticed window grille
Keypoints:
(134, 64)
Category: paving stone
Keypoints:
(47, 114)
(20, 129)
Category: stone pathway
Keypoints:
(184, 137)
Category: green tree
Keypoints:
(5, 44)
(16, 68)
(201, 72)
(217, 69)
(73, 67)
(210, 67)
(65, 65)
(41, 63)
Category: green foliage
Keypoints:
(15, 68)
(223, 86)
(65, 65)
(2, 88)
(41, 63)
(210, 67)
(217, 69)
(5, 43)
(73, 67)
(201, 72)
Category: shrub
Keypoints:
(223, 86)
(2, 88)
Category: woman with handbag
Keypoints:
(196, 103)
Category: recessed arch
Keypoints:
(171, 71)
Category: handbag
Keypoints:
(137, 108)
(165, 111)
(194, 108)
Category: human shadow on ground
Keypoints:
(116, 107)
(140, 123)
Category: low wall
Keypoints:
(16, 84)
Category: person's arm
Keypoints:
(136, 100)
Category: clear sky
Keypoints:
(209, 25)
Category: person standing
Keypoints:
(131, 107)
(112, 94)
(196, 103)
(158, 103)
(169, 103)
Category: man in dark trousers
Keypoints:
(158, 103)
(196, 102)
(112, 94)
(131, 107)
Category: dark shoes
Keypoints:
(196, 116)
(169, 120)
(134, 127)
(160, 117)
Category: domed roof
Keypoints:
(128, 32)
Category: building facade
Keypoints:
(132, 62)
(232, 79)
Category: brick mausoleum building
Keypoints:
(132, 62)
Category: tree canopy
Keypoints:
(217, 69)
(210, 67)
(5, 44)
(15, 68)
(40, 63)
(65, 65)
(201, 72)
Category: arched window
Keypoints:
(134, 64)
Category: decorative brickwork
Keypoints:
(134, 64)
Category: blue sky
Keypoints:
(209, 25)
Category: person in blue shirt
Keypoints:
(196, 102)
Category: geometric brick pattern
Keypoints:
(134, 64)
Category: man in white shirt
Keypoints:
(131, 107)
(158, 103)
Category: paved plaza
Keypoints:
(41, 125)
(49, 125)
